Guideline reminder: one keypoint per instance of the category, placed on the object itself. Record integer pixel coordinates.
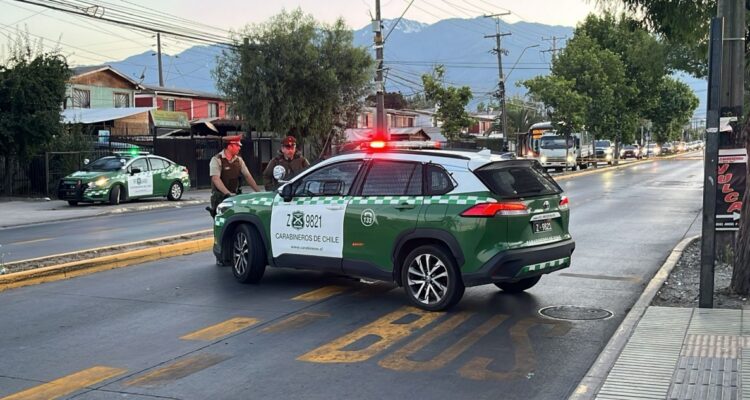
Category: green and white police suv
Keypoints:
(123, 176)
(432, 221)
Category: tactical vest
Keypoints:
(230, 173)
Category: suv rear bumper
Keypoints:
(506, 266)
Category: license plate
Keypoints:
(541, 226)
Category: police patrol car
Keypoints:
(124, 176)
(432, 221)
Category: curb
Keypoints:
(614, 167)
(597, 374)
(85, 267)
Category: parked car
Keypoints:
(631, 151)
(605, 150)
(427, 220)
(652, 150)
(123, 176)
(667, 148)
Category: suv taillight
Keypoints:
(490, 209)
(564, 203)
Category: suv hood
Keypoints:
(87, 175)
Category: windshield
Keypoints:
(603, 143)
(106, 164)
(554, 142)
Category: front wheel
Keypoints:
(175, 191)
(72, 203)
(431, 279)
(114, 195)
(520, 286)
(248, 255)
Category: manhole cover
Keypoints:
(575, 313)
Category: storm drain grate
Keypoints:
(575, 313)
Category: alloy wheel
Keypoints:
(240, 250)
(428, 279)
(176, 191)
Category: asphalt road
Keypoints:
(39, 240)
(183, 328)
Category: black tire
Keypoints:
(446, 288)
(72, 203)
(520, 286)
(175, 191)
(248, 255)
(115, 196)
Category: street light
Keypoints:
(519, 59)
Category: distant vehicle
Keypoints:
(652, 149)
(124, 176)
(605, 150)
(631, 151)
(667, 148)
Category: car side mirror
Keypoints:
(286, 192)
(134, 171)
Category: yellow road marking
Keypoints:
(322, 293)
(477, 368)
(67, 384)
(90, 266)
(178, 370)
(31, 241)
(400, 361)
(294, 322)
(387, 329)
(221, 329)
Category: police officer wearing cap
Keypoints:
(286, 165)
(225, 169)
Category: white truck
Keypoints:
(554, 152)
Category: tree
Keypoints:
(419, 102)
(587, 89)
(521, 116)
(675, 105)
(293, 75)
(392, 100)
(451, 103)
(32, 92)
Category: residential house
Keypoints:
(102, 98)
(195, 104)
(484, 124)
(394, 118)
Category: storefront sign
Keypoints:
(730, 188)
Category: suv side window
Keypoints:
(141, 164)
(438, 180)
(392, 178)
(331, 180)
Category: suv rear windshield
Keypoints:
(520, 178)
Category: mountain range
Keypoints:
(411, 49)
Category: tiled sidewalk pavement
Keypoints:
(684, 353)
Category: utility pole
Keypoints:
(158, 56)
(554, 48)
(501, 83)
(708, 238)
(377, 27)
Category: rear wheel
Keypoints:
(520, 286)
(431, 279)
(248, 255)
(175, 191)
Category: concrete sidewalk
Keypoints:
(673, 353)
(18, 212)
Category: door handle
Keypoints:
(334, 208)
(405, 206)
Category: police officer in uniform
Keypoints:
(287, 164)
(225, 169)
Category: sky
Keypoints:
(86, 41)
